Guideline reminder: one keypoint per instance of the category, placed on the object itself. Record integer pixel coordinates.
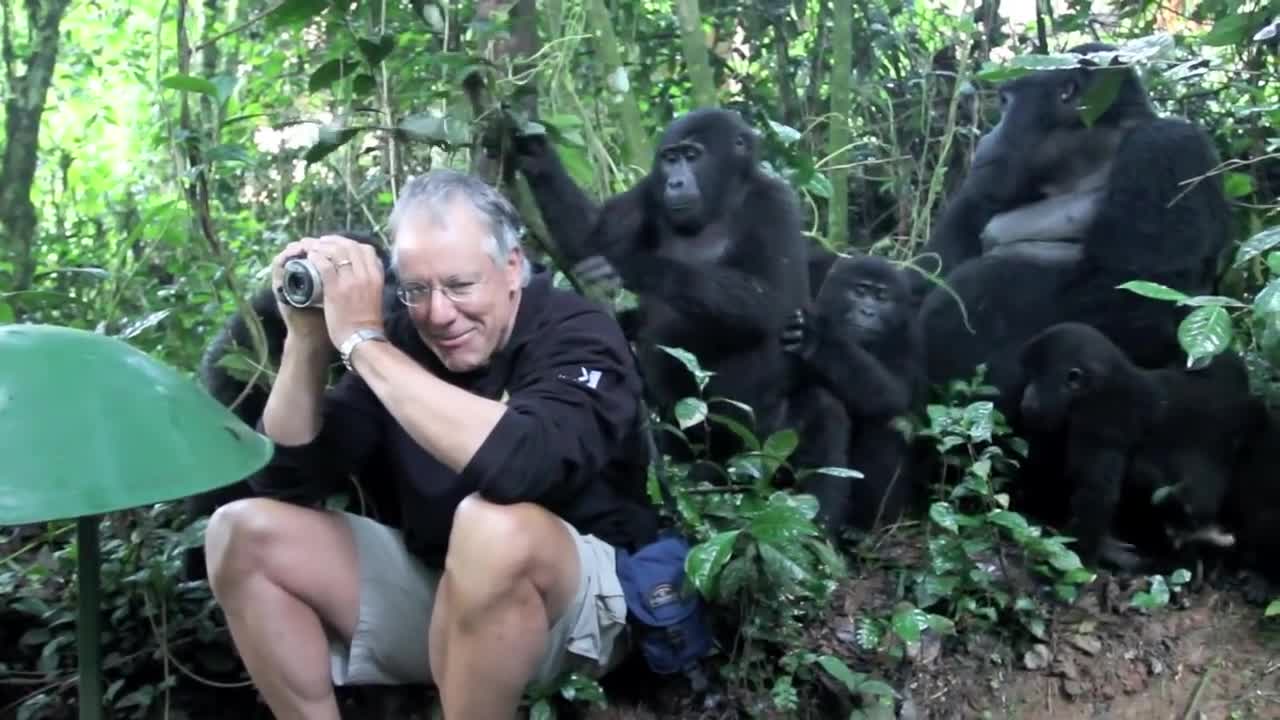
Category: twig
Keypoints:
(1195, 696)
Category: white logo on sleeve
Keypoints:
(590, 378)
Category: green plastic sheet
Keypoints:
(90, 424)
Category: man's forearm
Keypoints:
(447, 421)
(292, 413)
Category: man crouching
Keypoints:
(507, 415)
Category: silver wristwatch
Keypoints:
(353, 341)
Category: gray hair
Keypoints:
(431, 192)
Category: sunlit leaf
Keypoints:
(1273, 609)
(190, 83)
(1148, 48)
(1101, 94)
(330, 139)
(944, 515)
(1153, 290)
(1205, 332)
(782, 443)
(1258, 244)
(1238, 184)
(819, 185)
(1268, 31)
(786, 134)
(837, 669)
(294, 13)
(782, 567)
(1213, 300)
(142, 324)
(909, 622)
(434, 128)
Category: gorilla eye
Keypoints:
(1004, 99)
(1074, 376)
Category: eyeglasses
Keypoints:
(458, 291)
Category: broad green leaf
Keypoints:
(1258, 244)
(782, 443)
(737, 428)
(705, 561)
(877, 688)
(787, 568)
(1214, 300)
(375, 51)
(1205, 332)
(690, 362)
(836, 668)
(330, 72)
(1101, 94)
(835, 471)
(909, 622)
(1267, 301)
(1180, 576)
(786, 134)
(363, 84)
(807, 505)
(1145, 49)
(944, 515)
(6, 313)
(190, 83)
(330, 139)
(294, 13)
(819, 185)
(980, 418)
(1237, 184)
(434, 128)
(1156, 291)
(1230, 30)
(1273, 609)
(541, 710)
(779, 523)
(690, 411)
(940, 624)
(138, 326)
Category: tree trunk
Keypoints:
(635, 140)
(841, 111)
(19, 224)
(695, 53)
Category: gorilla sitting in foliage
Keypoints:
(714, 251)
(1066, 210)
(1149, 453)
(862, 345)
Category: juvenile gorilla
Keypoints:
(863, 346)
(1130, 432)
(1066, 212)
(714, 250)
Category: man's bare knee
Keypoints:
(494, 547)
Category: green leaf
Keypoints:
(819, 185)
(1238, 184)
(1101, 94)
(690, 411)
(1273, 609)
(375, 51)
(190, 83)
(363, 84)
(434, 128)
(834, 471)
(6, 313)
(1205, 332)
(786, 134)
(877, 688)
(139, 325)
(1153, 290)
(690, 361)
(737, 428)
(1230, 30)
(786, 568)
(330, 139)
(329, 73)
(1214, 300)
(836, 668)
(782, 443)
(294, 13)
(909, 622)
(705, 561)
(944, 515)
(1146, 49)
(541, 710)
(1258, 244)
(228, 154)
(1180, 576)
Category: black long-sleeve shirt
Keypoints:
(571, 439)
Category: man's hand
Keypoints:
(353, 279)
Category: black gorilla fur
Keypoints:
(1097, 207)
(713, 249)
(863, 346)
(1130, 432)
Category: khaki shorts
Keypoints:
(397, 595)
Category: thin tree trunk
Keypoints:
(19, 225)
(841, 109)
(635, 141)
(695, 53)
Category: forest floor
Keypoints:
(1208, 655)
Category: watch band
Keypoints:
(353, 341)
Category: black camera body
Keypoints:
(302, 286)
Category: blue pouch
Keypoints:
(670, 622)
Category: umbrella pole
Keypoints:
(88, 559)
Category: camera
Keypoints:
(302, 287)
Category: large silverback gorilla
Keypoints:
(712, 247)
(1056, 214)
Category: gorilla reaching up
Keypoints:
(1066, 212)
(712, 247)
(1130, 432)
(863, 346)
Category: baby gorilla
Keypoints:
(1135, 438)
(861, 345)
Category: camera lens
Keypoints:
(302, 286)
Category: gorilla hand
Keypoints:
(598, 276)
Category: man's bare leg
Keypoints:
(278, 570)
(511, 573)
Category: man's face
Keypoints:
(450, 257)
